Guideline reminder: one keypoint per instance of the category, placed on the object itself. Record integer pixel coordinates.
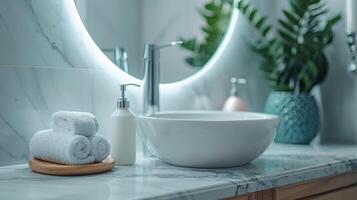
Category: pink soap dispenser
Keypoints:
(234, 102)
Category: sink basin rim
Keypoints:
(170, 116)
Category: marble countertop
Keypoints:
(152, 179)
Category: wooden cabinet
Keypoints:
(261, 195)
(349, 193)
(341, 187)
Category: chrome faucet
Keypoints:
(152, 76)
(120, 57)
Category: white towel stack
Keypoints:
(72, 140)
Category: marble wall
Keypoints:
(29, 95)
(48, 62)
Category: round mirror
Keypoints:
(121, 28)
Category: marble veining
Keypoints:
(152, 179)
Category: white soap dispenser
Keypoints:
(234, 102)
(123, 131)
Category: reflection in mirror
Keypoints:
(125, 26)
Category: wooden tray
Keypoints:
(45, 167)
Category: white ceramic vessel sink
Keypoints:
(208, 139)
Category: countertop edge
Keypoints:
(256, 184)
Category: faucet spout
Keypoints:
(152, 76)
(151, 79)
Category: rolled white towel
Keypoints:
(61, 148)
(76, 123)
(100, 148)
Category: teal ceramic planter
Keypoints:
(299, 117)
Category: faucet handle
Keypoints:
(152, 50)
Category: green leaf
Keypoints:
(312, 68)
(287, 37)
(322, 66)
(291, 17)
(322, 12)
(331, 22)
(252, 15)
(259, 22)
(266, 31)
(296, 8)
(317, 6)
(189, 44)
(287, 26)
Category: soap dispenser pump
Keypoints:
(124, 131)
(234, 102)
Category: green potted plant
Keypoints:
(293, 62)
